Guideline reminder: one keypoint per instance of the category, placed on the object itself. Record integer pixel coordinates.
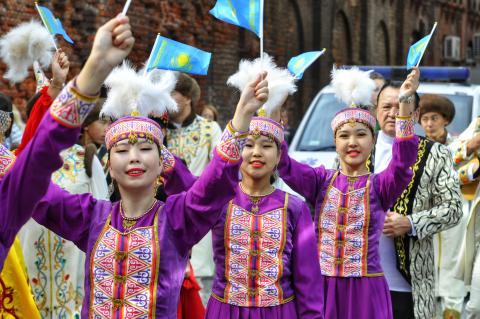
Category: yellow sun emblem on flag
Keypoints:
(299, 63)
(183, 59)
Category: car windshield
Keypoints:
(318, 135)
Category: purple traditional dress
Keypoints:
(134, 273)
(264, 251)
(349, 215)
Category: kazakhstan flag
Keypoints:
(416, 51)
(297, 65)
(243, 13)
(53, 24)
(172, 55)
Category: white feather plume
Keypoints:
(19, 48)
(353, 86)
(280, 81)
(131, 91)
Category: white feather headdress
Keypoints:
(131, 91)
(24, 44)
(280, 81)
(353, 86)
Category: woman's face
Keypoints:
(354, 143)
(434, 124)
(260, 157)
(135, 167)
(208, 114)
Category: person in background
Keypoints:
(435, 114)
(210, 112)
(193, 138)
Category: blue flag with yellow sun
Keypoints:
(242, 13)
(54, 25)
(172, 55)
(416, 51)
(297, 65)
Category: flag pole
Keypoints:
(431, 34)
(45, 24)
(145, 72)
(125, 8)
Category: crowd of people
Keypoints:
(124, 214)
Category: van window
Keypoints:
(318, 135)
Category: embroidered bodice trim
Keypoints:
(343, 232)
(254, 245)
(123, 272)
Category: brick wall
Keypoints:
(183, 20)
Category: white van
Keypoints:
(313, 142)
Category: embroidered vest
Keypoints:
(343, 232)
(254, 245)
(123, 272)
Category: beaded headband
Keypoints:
(353, 115)
(133, 128)
(5, 121)
(266, 127)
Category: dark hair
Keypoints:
(188, 87)
(213, 109)
(376, 76)
(31, 103)
(6, 106)
(397, 85)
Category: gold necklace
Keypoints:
(255, 199)
(129, 222)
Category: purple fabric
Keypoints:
(312, 183)
(22, 187)
(356, 298)
(300, 257)
(217, 309)
(183, 221)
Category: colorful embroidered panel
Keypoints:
(231, 145)
(70, 108)
(404, 128)
(6, 160)
(123, 280)
(253, 263)
(343, 233)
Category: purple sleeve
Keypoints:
(67, 215)
(194, 212)
(29, 179)
(391, 183)
(306, 268)
(302, 178)
(179, 178)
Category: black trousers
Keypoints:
(402, 303)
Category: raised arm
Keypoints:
(302, 178)
(193, 213)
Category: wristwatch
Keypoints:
(406, 99)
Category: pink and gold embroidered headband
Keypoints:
(267, 127)
(133, 128)
(353, 115)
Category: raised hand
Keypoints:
(407, 91)
(253, 96)
(60, 68)
(113, 42)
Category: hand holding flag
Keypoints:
(416, 51)
(298, 64)
(54, 25)
(168, 54)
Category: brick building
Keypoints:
(353, 31)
